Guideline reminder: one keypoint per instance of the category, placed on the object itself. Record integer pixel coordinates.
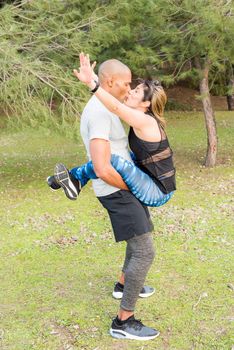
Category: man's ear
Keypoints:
(109, 82)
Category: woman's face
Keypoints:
(135, 97)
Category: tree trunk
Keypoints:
(230, 97)
(212, 140)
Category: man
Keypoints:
(103, 135)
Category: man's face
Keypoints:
(120, 85)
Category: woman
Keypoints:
(152, 178)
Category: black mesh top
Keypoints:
(155, 159)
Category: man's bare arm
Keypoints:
(100, 154)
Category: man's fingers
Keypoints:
(94, 65)
(76, 73)
(85, 60)
(88, 60)
(82, 59)
(84, 65)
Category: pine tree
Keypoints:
(188, 39)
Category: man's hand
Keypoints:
(86, 71)
(95, 76)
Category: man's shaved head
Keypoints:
(115, 77)
(111, 68)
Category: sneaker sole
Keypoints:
(146, 295)
(123, 335)
(119, 295)
(62, 177)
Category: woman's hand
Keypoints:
(85, 74)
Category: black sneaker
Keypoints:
(132, 329)
(70, 185)
(52, 183)
(145, 292)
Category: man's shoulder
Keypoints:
(94, 107)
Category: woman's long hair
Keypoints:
(154, 92)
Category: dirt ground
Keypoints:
(187, 96)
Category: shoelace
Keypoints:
(136, 324)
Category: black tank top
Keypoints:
(155, 159)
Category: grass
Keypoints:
(59, 260)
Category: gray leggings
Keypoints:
(140, 254)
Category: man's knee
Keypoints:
(146, 255)
(149, 249)
(142, 248)
(153, 251)
(150, 253)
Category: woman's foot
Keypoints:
(69, 184)
(52, 183)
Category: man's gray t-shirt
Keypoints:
(98, 123)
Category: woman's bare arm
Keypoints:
(134, 118)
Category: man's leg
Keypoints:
(119, 286)
(142, 255)
(130, 222)
(128, 255)
(141, 258)
(145, 292)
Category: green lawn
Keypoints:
(59, 261)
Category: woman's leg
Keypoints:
(84, 173)
(138, 182)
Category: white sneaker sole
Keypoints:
(119, 295)
(124, 335)
(62, 177)
(146, 295)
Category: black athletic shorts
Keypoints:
(128, 216)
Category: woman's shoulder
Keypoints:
(150, 131)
